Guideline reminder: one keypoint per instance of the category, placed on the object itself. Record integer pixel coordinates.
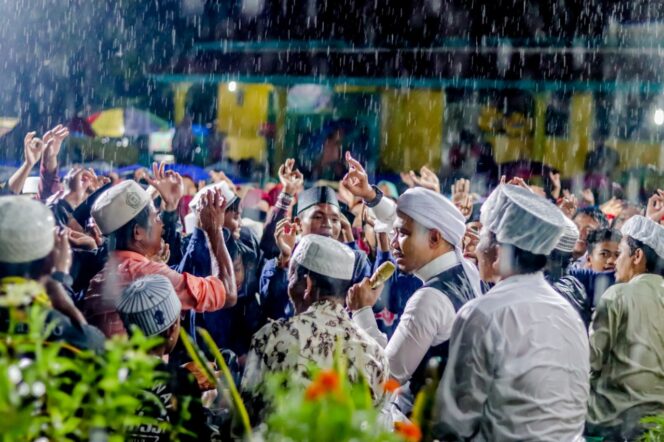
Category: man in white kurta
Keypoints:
(428, 230)
(518, 367)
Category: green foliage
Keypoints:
(48, 389)
(343, 414)
(227, 388)
(331, 409)
(655, 425)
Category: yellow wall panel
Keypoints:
(412, 129)
(241, 119)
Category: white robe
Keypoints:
(518, 368)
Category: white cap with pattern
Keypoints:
(325, 256)
(523, 219)
(151, 304)
(226, 192)
(647, 231)
(26, 230)
(118, 205)
(569, 238)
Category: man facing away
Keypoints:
(518, 365)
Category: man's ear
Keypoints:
(139, 233)
(435, 238)
(308, 290)
(639, 258)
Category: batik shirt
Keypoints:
(309, 339)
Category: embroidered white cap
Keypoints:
(118, 205)
(151, 304)
(26, 230)
(647, 231)
(325, 256)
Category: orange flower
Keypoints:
(391, 385)
(328, 380)
(408, 431)
(313, 392)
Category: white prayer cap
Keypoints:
(26, 230)
(151, 304)
(31, 186)
(520, 218)
(647, 231)
(325, 256)
(433, 211)
(226, 192)
(569, 238)
(118, 205)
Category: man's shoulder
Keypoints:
(273, 328)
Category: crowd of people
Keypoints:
(544, 317)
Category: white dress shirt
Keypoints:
(427, 318)
(426, 321)
(518, 368)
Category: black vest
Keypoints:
(455, 285)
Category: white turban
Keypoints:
(435, 212)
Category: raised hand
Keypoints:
(461, 197)
(516, 181)
(218, 177)
(169, 184)
(555, 184)
(612, 207)
(407, 179)
(291, 178)
(655, 208)
(346, 229)
(53, 139)
(588, 197)
(211, 212)
(61, 254)
(568, 205)
(427, 179)
(33, 148)
(78, 183)
(285, 235)
(357, 181)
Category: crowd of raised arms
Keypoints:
(542, 309)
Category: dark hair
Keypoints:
(595, 214)
(557, 263)
(124, 236)
(234, 206)
(654, 264)
(31, 270)
(325, 286)
(523, 262)
(601, 235)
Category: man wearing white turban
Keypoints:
(428, 232)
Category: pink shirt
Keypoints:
(99, 306)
